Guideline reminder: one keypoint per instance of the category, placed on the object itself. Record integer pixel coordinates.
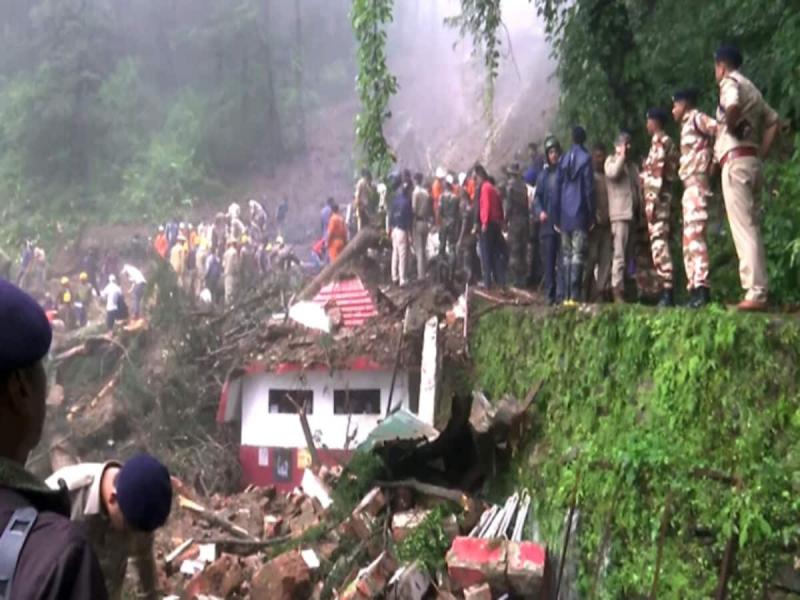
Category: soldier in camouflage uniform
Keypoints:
(450, 219)
(658, 173)
(698, 131)
(518, 223)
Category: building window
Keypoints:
(280, 401)
(357, 402)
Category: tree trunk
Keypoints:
(364, 239)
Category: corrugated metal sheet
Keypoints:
(351, 298)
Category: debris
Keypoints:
(272, 526)
(473, 561)
(371, 580)
(315, 488)
(410, 582)
(403, 523)
(213, 519)
(178, 551)
(311, 559)
(285, 577)
(310, 314)
(478, 592)
(525, 570)
(219, 579)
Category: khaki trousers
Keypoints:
(599, 257)
(620, 232)
(741, 180)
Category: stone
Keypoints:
(478, 592)
(474, 561)
(525, 569)
(285, 577)
(220, 579)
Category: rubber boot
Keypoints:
(666, 300)
(692, 298)
(701, 298)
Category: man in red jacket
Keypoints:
(494, 252)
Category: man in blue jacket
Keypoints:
(574, 214)
(543, 207)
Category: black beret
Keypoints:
(687, 94)
(730, 54)
(25, 332)
(657, 114)
(144, 493)
(578, 134)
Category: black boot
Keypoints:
(692, 297)
(666, 299)
(702, 297)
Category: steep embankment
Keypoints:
(676, 431)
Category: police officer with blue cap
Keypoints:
(122, 505)
(42, 554)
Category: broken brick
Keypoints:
(272, 526)
(373, 503)
(474, 561)
(478, 592)
(219, 579)
(411, 582)
(283, 578)
(525, 570)
(403, 523)
(372, 580)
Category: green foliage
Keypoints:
(637, 406)
(375, 83)
(358, 478)
(428, 543)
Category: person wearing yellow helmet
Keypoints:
(84, 295)
(64, 302)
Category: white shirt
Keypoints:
(134, 275)
(111, 293)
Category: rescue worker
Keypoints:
(258, 220)
(84, 297)
(598, 261)
(121, 505)
(422, 207)
(467, 242)
(219, 234)
(64, 302)
(517, 213)
(177, 259)
(49, 557)
(361, 199)
(491, 219)
(698, 131)
(658, 173)
(437, 188)
(138, 284)
(112, 294)
(544, 203)
(236, 228)
(401, 219)
(337, 233)
(748, 127)
(622, 186)
(230, 271)
(574, 213)
(449, 215)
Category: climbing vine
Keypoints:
(481, 20)
(677, 432)
(375, 83)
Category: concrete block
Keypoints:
(473, 561)
(525, 570)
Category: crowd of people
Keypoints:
(584, 219)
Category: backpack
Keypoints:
(11, 543)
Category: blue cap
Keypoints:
(25, 332)
(657, 114)
(578, 134)
(729, 54)
(144, 493)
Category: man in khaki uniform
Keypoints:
(361, 198)
(748, 126)
(121, 506)
(622, 184)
